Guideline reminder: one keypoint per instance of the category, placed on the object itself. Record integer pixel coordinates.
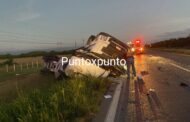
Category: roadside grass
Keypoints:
(25, 60)
(13, 74)
(174, 50)
(27, 83)
(74, 99)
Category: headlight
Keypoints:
(133, 49)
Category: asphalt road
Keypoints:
(163, 93)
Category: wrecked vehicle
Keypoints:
(103, 46)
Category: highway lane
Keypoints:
(164, 95)
(182, 59)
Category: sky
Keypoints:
(42, 24)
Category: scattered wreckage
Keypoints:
(103, 46)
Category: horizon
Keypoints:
(36, 25)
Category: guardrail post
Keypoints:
(7, 68)
(21, 67)
(37, 64)
(27, 65)
(14, 68)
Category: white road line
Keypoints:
(110, 117)
(182, 68)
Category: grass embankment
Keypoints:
(75, 99)
(11, 69)
(12, 75)
(174, 50)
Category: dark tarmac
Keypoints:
(163, 93)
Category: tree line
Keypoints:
(36, 53)
(173, 43)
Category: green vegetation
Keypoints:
(11, 75)
(7, 62)
(75, 99)
(27, 96)
(180, 45)
(36, 53)
(173, 43)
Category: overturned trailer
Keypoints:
(103, 46)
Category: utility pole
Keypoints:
(83, 42)
(75, 44)
(61, 45)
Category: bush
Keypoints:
(173, 43)
(7, 62)
(64, 101)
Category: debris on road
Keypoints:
(151, 90)
(143, 73)
(107, 96)
(133, 91)
(183, 84)
(159, 68)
